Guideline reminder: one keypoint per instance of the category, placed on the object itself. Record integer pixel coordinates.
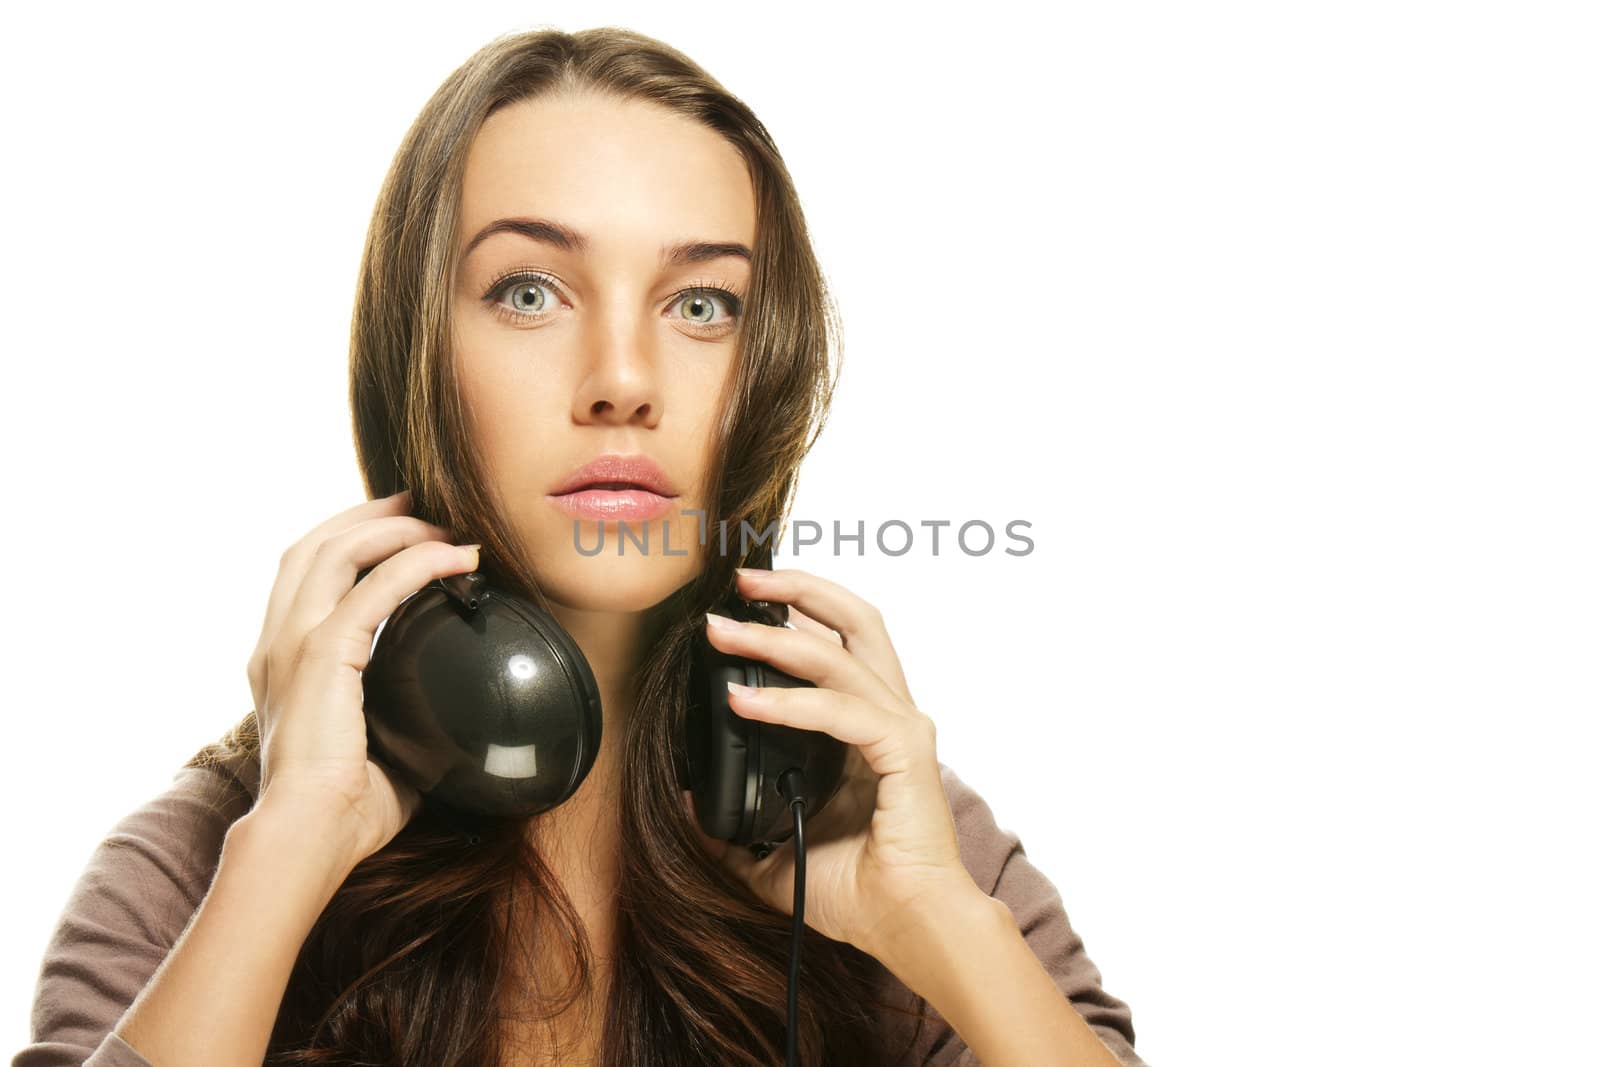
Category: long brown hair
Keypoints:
(408, 962)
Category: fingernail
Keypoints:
(752, 572)
(721, 622)
(741, 690)
(472, 550)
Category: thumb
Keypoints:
(765, 877)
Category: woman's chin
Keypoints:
(626, 584)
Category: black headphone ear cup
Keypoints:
(733, 763)
(490, 708)
(715, 741)
(821, 756)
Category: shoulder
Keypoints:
(985, 846)
(154, 865)
(998, 863)
(137, 891)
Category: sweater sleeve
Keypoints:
(142, 884)
(997, 862)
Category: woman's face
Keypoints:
(601, 264)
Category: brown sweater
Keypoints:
(145, 880)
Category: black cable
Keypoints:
(792, 785)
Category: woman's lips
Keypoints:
(613, 505)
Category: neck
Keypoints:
(615, 643)
(579, 840)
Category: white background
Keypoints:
(1277, 321)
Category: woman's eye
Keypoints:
(700, 308)
(522, 299)
(528, 297)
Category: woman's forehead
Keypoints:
(625, 173)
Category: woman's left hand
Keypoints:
(884, 848)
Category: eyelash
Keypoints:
(503, 282)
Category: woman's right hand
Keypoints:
(305, 673)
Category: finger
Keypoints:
(806, 622)
(338, 647)
(397, 504)
(743, 865)
(858, 623)
(297, 557)
(891, 743)
(292, 565)
(769, 877)
(341, 557)
(376, 596)
(802, 654)
(408, 795)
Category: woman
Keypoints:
(585, 249)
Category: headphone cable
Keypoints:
(792, 784)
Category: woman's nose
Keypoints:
(620, 384)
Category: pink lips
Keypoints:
(616, 488)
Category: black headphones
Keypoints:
(482, 701)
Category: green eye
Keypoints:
(531, 303)
(699, 306)
(532, 295)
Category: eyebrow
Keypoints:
(570, 240)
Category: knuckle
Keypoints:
(305, 650)
(280, 664)
(329, 643)
(433, 530)
(325, 546)
(315, 644)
